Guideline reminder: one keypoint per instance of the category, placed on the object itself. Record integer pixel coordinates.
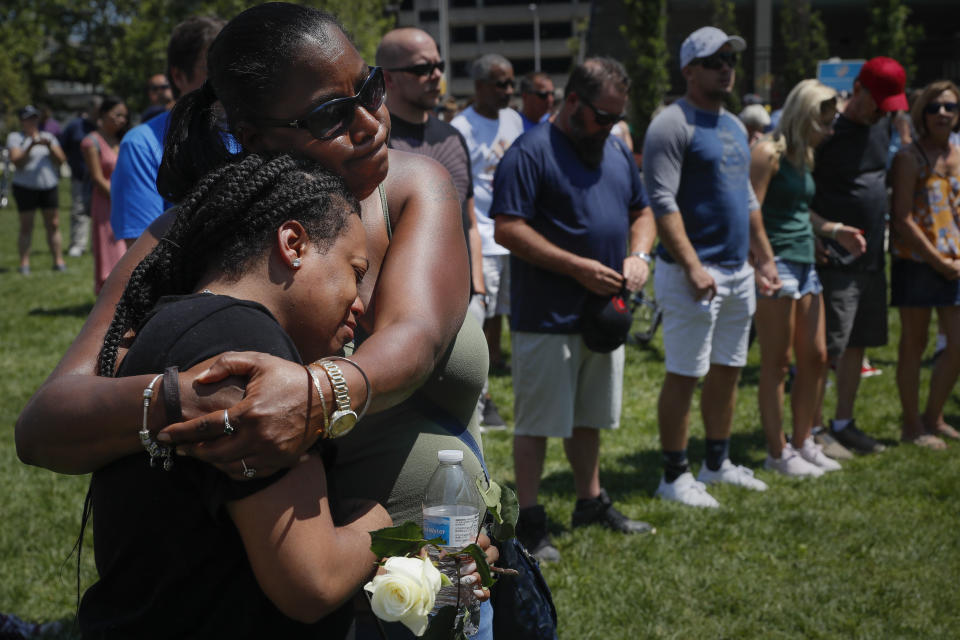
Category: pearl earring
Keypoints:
(296, 263)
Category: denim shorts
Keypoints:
(798, 279)
(917, 284)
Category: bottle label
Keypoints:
(456, 531)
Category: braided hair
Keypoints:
(225, 223)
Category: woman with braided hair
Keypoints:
(238, 269)
(286, 78)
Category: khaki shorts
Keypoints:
(559, 384)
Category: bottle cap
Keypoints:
(450, 456)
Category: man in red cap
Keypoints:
(850, 174)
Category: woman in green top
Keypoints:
(780, 172)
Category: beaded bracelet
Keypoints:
(323, 402)
(156, 451)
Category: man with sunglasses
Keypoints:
(134, 199)
(489, 128)
(412, 71)
(851, 179)
(697, 171)
(569, 204)
(536, 93)
(159, 95)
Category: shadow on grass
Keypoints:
(77, 310)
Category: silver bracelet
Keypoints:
(643, 255)
(323, 401)
(366, 383)
(156, 451)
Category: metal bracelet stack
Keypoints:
(156, 451)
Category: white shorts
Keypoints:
(496, 278)
(698, 333)
(559, 384)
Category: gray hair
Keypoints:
(755, 115)
(484, 65)
(526, 82)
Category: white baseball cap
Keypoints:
(706, 41)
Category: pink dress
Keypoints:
(107, 250)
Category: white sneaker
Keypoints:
(730, 473)
(813, 453)
(75, 252)
(687, 491)
(791, 464)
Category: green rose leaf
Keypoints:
(486, 579)
(509, 511)
(491, 498)
(403, 540)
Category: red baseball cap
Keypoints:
(886, 80)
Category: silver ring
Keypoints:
(228, 428)
(248, 472)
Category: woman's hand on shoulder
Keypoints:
(271, 420)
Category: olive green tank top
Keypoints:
(389, 456)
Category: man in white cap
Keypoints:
(697, 172)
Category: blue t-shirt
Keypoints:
(134, 199)
(585, 211)
(698, 163)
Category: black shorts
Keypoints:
(31, 199)
(917, 284)
(856, 309)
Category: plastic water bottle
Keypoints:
(451, 512)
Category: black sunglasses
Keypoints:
(333, 117)
(159, 87)
(604, 118)
(503, 84)
(422, 69)
(717, 60)
(543, 95)
(934, 107)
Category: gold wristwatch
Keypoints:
(343, 418)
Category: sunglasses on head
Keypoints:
(333, 117)
(717, 60)
(604, 118)
(422, 69)
(934, 107)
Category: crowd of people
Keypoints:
(341, 216)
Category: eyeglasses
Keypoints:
(333, 117)
(543, 95)
(422, 69)
(158, 87)
(934, 107)
(604, 118)
(503, 84)
(717, 60)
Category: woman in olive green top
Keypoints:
(780, 172)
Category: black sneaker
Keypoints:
(600, 510)
(490, 419)
(856, 440)
(532, 533)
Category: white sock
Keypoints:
(840, 425)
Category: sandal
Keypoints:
(927, 441)
(946, 431)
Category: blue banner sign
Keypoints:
(839, 74)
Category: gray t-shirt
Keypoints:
(40, 171)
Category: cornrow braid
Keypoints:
(226, 221)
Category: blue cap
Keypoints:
(706, 41)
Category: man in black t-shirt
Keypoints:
(413, 70)
(850, 174)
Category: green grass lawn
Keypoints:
(868, 552)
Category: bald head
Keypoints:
(400, 46)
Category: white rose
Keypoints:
(406, 592)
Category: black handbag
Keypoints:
(522, 605)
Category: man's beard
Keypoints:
(589, 148)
